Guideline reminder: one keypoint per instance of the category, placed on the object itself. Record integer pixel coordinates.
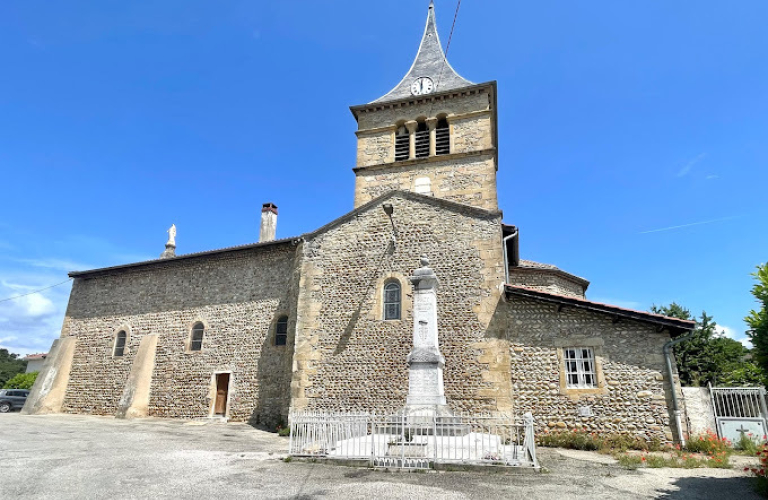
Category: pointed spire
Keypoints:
(430, 63)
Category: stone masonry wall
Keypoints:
(546, 282)
(347, 356)
(423, 108)
(699, 410)
(470, 180)
(237, 295)
(633, 398)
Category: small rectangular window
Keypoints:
(281, 331)
(580, 368)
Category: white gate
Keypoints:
(740, 411)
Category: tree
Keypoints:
(708, 357)
(21, 381)
(10, 365)
(758, 319)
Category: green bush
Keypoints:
(708, 444)
(747, 444)
(606, 443)
(283, 431)
(21, 381)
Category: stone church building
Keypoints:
(323, 320)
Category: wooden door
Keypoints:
(222, 388)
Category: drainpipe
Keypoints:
(506, 257)
(667, 349)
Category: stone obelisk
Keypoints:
(426, 393)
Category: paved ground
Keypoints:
(66, 457)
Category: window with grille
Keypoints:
(580, 368)
(196, 342)
(120, 343)
(442, 137)
(392, 300)
(402, 144)
(281, 331)
(422, 140)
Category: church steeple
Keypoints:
(433, 134)
(430, 68)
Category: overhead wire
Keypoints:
(34, 292)
(445, 56)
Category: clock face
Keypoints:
(422, 85)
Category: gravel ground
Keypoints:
(64, 457)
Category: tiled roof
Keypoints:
(675, 324)
(35, 356)
(536, 265)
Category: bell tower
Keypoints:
(434, 133)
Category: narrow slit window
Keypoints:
(580, 368)
(392, 300)
(281, 331)
(120, 343)
(442, 137)
(196, 342)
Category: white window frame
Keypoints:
(580, 364)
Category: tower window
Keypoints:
(392, 300)
(196, 341)
(402, 144)
(120, 344)
(281, 331)
(422, 140)
(442, 137)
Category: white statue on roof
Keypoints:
(171, 236)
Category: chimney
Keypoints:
(268, 222)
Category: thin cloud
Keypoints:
(688, 166)
(731, 333)
(672, 228)
(712, 176)
(54, 263)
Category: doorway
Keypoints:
(222, 393)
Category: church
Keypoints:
(323, 320)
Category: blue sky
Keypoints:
(632, 140)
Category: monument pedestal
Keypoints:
(426, 393)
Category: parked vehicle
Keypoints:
(12, 399)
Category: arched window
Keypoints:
(281, 331)
(442, 137)
(120, 343)
(392, 300)
(196, 342)
(422, 140)
(402, 144)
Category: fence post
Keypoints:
(530, 443)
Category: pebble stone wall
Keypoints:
(546, 281)
(634, 400)
(350, 359)
(237, 295)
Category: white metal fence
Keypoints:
(406, 441)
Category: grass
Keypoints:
(604, 443)
(701, 451)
